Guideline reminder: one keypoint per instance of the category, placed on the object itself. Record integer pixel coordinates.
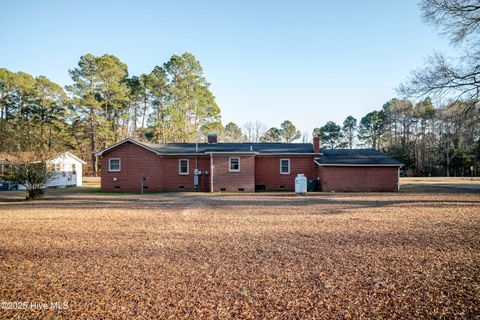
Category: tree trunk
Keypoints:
(350, 139)
(144, 112)
(135, 118)
(35, 193)
(92, 151)
(448, 165)
(163, 126)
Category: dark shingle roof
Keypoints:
(355, 156)
(185, 148)
(327, 156)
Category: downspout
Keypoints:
(197, 187)
(211, 172)
(398, 179)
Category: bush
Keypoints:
(33, 175)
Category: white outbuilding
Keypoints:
(67, 170)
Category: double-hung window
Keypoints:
(183, 167)
(284, 166)
(234, 165)
(114, 164)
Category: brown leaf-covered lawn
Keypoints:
(375, 255)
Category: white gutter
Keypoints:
(232, 152)
(357, 165)
(235, 152)
(398, 179)
(181, 154)
(288, 154)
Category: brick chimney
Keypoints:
(212, 138)
(316, 144)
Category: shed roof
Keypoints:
(355, 157)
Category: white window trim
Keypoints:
(288, 172)
(230, 164)
(119, 165)
(180, 167)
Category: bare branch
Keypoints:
(458, 19)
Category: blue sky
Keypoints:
(306, 61)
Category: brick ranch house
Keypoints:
(247, 167)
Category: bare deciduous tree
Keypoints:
(458, 19)
(452, 78)
(254, 130)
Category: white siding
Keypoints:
(66, 177)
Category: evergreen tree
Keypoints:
(349, 130)
(100, 95)
(372, 128)
(330, 134)
(272, 135)
(289, 132)
(233, 133)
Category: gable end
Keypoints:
(101, 152)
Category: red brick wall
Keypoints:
(267, 171)
(171, 180)
(161, 172)
(135, 162)
(361, 179)
(232, 181)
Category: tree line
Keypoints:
(450, 134)
(103, 105)
(173, 103)
(428, 140)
